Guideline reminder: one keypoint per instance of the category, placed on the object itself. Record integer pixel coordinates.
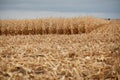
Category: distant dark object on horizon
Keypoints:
(108, 19)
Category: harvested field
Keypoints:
(92, 55)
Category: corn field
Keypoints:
(51, 26)
(83, 48)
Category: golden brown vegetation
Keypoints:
(51, 26)
(89, 56)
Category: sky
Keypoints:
(28, 9)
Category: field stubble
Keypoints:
(94, 54)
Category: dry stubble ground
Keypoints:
(87, 56)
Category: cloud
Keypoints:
(62, 5)
(45, 14)
(72, 7)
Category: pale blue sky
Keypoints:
(21, 9)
